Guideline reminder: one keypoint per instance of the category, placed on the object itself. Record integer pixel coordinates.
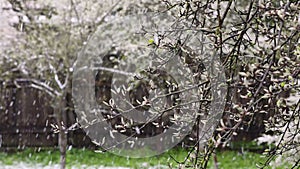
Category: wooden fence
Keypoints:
(26, 118)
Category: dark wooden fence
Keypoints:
(26, 118)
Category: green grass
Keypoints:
(77, 157)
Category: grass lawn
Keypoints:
(77, 157)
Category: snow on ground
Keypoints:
(23, 165)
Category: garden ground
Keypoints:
(88, 159)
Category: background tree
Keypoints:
(51, 36)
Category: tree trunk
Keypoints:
(60, 114)
(62, 142)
